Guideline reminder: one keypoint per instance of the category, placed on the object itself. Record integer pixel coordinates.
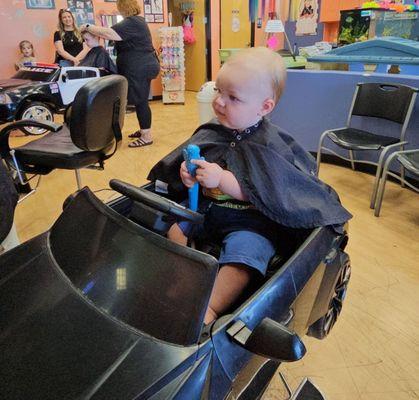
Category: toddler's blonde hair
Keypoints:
(265, 65)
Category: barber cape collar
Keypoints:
(245, 133)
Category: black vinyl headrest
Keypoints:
(97, 111)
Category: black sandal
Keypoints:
(140, 143)
(135, 135)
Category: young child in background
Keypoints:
(27, 54)
(97, 56)
(256, 180)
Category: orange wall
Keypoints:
(330, 16)
(38, 26)
(215, 37)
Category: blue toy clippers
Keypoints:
(191, 152)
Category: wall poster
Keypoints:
(82, 11)
(153, 11)
(308, 15)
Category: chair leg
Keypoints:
(382, 184)
(32, 191)
(351, 156)
(380, 164)
(402, 176)
(402, 171)
(377, 179)
(78, 179)
(319, 151)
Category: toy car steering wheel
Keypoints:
(156, 202)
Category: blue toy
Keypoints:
(191, 152)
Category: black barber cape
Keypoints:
(98, 57)
(274, 172)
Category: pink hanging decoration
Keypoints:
(188, 32)
(272, 42)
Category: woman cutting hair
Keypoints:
(136, 60)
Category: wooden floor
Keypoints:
(373, 352)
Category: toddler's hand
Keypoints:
(187, 179)
(208, 174)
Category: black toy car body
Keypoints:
(103, 306)
(40, 90)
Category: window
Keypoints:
(90, 74)
(75, 74)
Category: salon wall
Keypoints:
(260, 35)
(38, 26)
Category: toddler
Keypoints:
(256, 180)
(97, 56)
(27, 54)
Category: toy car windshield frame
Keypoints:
(37, 74)
(139, 277)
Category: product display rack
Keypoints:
(172, 63)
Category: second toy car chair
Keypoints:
(90, 136)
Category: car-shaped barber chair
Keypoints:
(39, 90)
(90, 135)
(104, 306)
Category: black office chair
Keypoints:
(90, 135)
(409, 159)
(391, 102)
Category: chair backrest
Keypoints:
(98, 112)
(384, 100)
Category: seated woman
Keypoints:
(68, 42)
(97, 56)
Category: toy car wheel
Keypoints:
(36, 110)
(321, 328)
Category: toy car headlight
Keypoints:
(5, 98)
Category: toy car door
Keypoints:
(246, 370)
(72, 79)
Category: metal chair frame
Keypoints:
(86, 136)
(386, 172)
(383, 151)
(13, 164)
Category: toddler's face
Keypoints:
(27, 50)
(239, 100)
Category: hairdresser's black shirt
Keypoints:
(71, 44)
(135, 57)
(135, 35)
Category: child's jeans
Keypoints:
(245, 236)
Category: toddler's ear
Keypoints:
(267, 106)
